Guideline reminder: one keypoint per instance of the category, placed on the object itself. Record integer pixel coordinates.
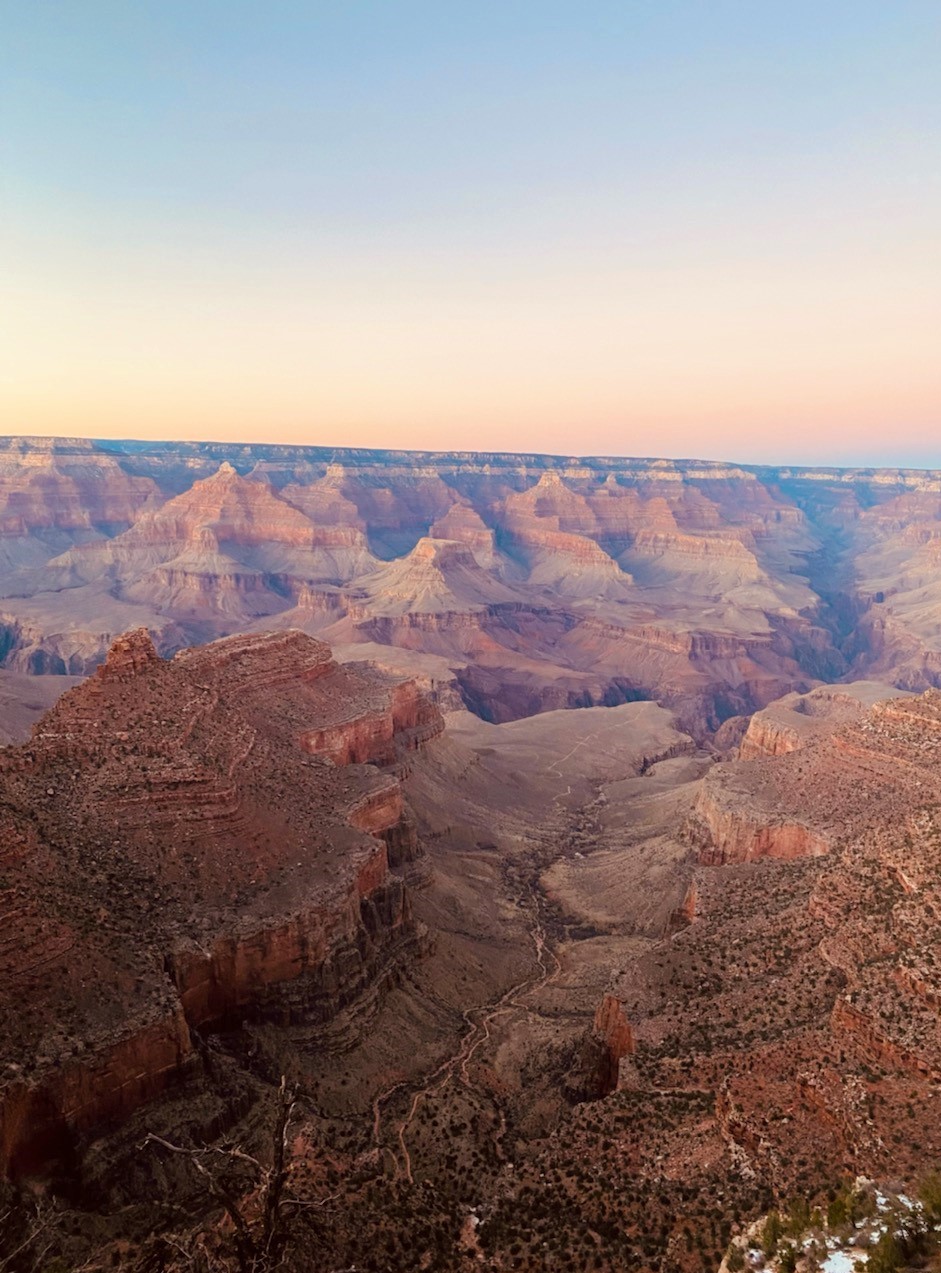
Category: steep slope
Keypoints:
(185, 843)
(56, 493)
(226, 535)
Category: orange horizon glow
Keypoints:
(678, 233)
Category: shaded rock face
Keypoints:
(596, 1067)
(178, 854)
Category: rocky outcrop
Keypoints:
(725, 827)
(797, 719)
(768, 735)
(305, 969)
(595, 1069)
(612, 1030)
(180, 856)
(130, 654)
(406, 720)
(809, 766)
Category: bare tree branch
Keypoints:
(272, 1234)
(255, 1254)
(244, 1245)
(41, 1226)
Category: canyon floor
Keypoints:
(551, 862)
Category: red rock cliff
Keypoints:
(178, 856)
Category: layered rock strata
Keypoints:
(187, 843)
(543, 582)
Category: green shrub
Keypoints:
(771, 1231)
(885, 1256)
(787, 1261)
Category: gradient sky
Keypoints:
(653, 227)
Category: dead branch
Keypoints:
(261, 1253)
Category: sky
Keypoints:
(703, 228)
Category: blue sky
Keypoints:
(678, 228)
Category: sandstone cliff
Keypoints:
(735, 823)
(595, 1069)
(187, 843)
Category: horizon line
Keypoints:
(325, 450)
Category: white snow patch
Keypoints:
(841, 1262)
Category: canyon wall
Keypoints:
(181, 854)
(541, 581)
(727, 827)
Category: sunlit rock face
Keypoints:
(524, 583)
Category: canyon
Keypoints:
(560, 834)
(516, 583)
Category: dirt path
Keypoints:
(565, 831)
(554, 765)
(478, 1021)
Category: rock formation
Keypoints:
(595, 1071)
(796, 719)
(209, 862)
(185, 844)
(712, 588)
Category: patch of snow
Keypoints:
(841, 1262)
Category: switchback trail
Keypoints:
(478, 1020)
